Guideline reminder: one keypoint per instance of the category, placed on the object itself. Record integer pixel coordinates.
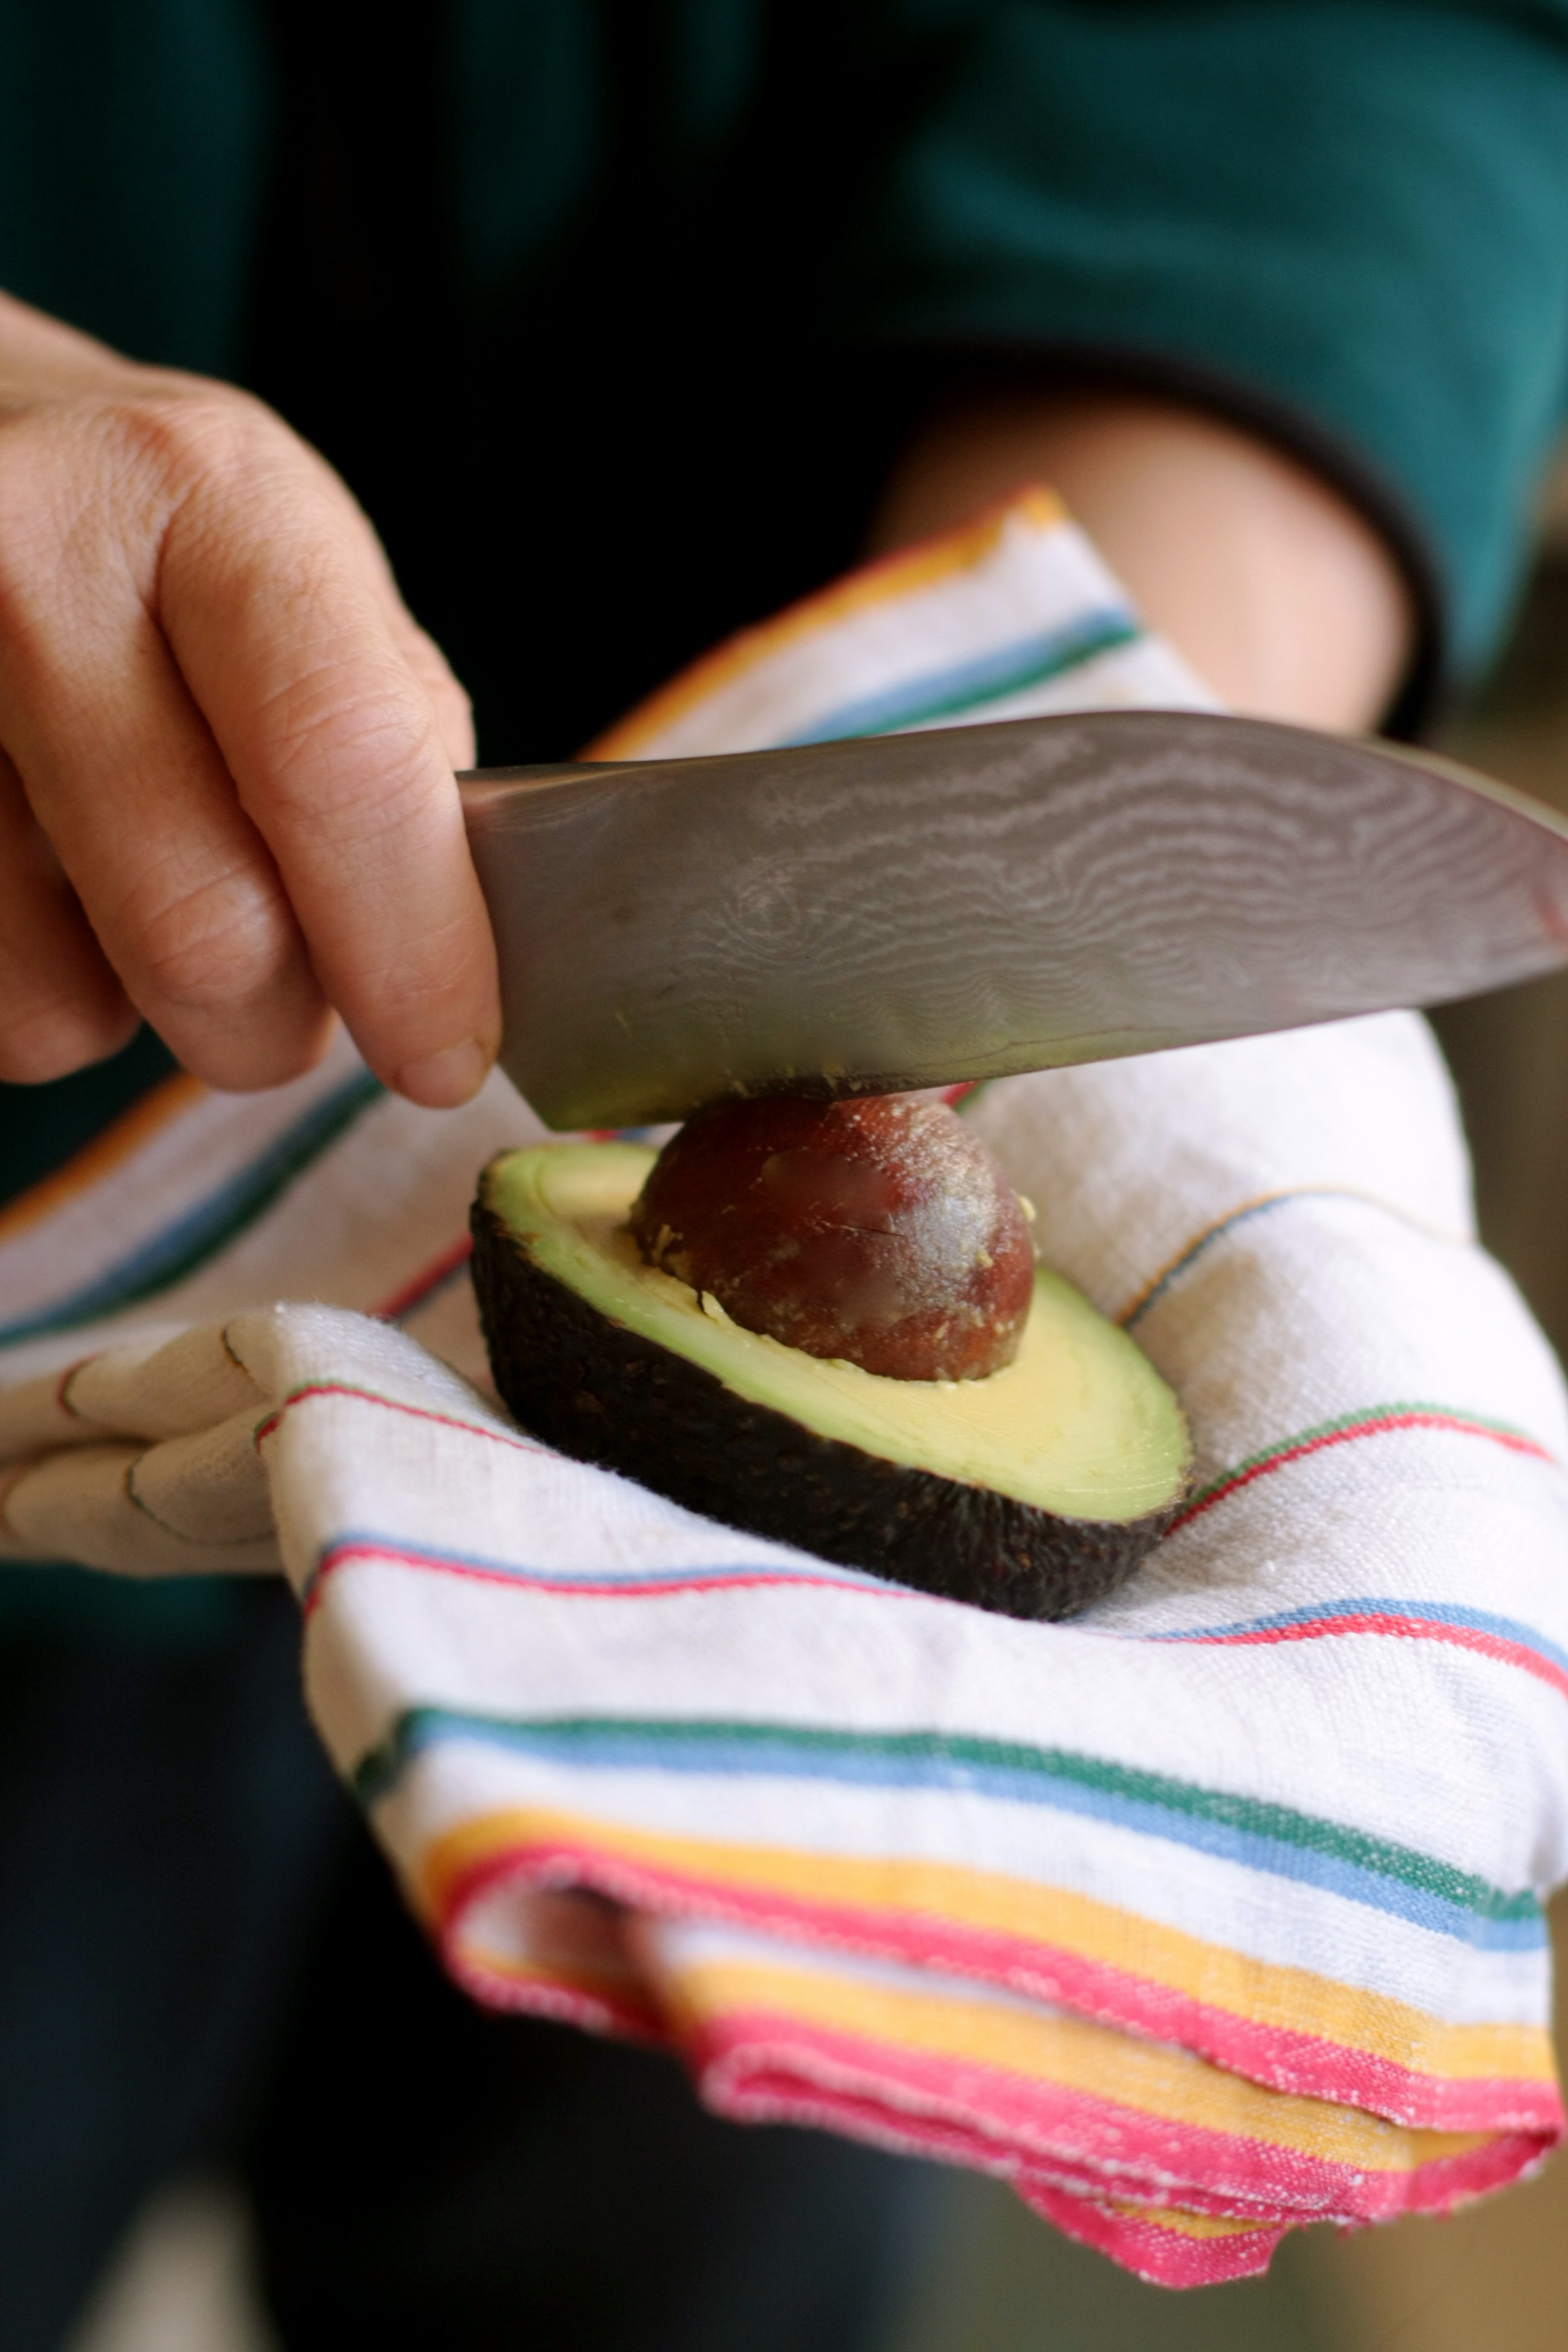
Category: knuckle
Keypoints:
(343, 741)
(212, 946)
(213, 478)
(449, 698)
(91, 485)
(182, 436)
(160, 438)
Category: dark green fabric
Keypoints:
(1359, 212)
(132, 146)
(168, 1610)
(1355, 214)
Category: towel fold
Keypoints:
(1215, 1912)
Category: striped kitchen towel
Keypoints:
(1212, 1914)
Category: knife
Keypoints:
(909, 910)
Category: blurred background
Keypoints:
(995, 2279)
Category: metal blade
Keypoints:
(909, 910)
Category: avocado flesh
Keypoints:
(1034, 1490)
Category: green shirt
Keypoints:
(1349, 220)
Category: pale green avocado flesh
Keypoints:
(1080, 1425)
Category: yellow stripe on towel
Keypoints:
(1072, 2054)
(1292, 1999)
(119, 1143)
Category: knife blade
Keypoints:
(909, 911)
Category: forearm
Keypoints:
(1279, 594)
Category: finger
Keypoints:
(61, 1006)
(449, 699)
(315, 695)
(454, 711)
(121, 770)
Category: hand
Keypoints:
(226, 752)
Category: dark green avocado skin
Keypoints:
(601, 1393)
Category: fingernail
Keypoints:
(441, 1081)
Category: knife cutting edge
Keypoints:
(909, 911)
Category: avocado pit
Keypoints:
(876, 1232)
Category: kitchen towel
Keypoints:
(1212, 1913)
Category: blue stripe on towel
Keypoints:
(987, 677)
(203, 1230)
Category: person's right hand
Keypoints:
(226, 752)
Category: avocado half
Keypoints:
(1035, 1491)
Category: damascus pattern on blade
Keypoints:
(913, 909)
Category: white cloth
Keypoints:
(1212, 1913)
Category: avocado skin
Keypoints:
(601, 1393)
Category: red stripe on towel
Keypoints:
(1374, 1425)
